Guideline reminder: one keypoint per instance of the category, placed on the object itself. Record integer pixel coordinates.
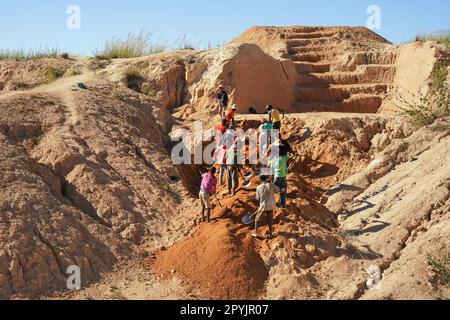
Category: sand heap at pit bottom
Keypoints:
(223, 264)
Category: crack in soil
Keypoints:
(52, 249)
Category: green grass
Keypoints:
(441, 36)
(441, 266)
(133, 46)
(76, 72)
(433, 106)
(54, 73)
(22, 54)
(185, 43)
(439, 76)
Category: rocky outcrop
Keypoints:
(185, 83)
(415, 66)
(23, 75)
(85, 178)
(402, 198)
(347, 69)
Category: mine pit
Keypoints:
(88, 177)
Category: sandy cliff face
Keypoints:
(85, 171)
(404, 212)
(415, 66)
(349, 69)
(185, 83)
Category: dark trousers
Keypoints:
(277, 125)
(269, 215)
(282, 184)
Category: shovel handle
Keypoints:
(240, 172)
(217, 198)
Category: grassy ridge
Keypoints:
(22, 54)
(133, 46)
(441, 36)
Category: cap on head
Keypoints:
(263, 178)
(269, 107)
(224, 122)
(213, 170)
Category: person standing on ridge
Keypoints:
(207, 190)
(275, 117)
(222, 97)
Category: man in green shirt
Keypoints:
(279, 166)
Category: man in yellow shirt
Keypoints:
(274, 117)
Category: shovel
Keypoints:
(248, 219)
(247, 183)
(218, 201)
(248, 175)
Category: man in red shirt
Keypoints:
(229, 115)
(222, 128)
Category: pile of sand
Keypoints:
(219, 263)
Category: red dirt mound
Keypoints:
(217, 262)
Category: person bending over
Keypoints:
(207, 190)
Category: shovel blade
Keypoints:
(247, 184)
(248, 219)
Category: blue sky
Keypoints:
(29, 23)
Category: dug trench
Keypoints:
(223, 261)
